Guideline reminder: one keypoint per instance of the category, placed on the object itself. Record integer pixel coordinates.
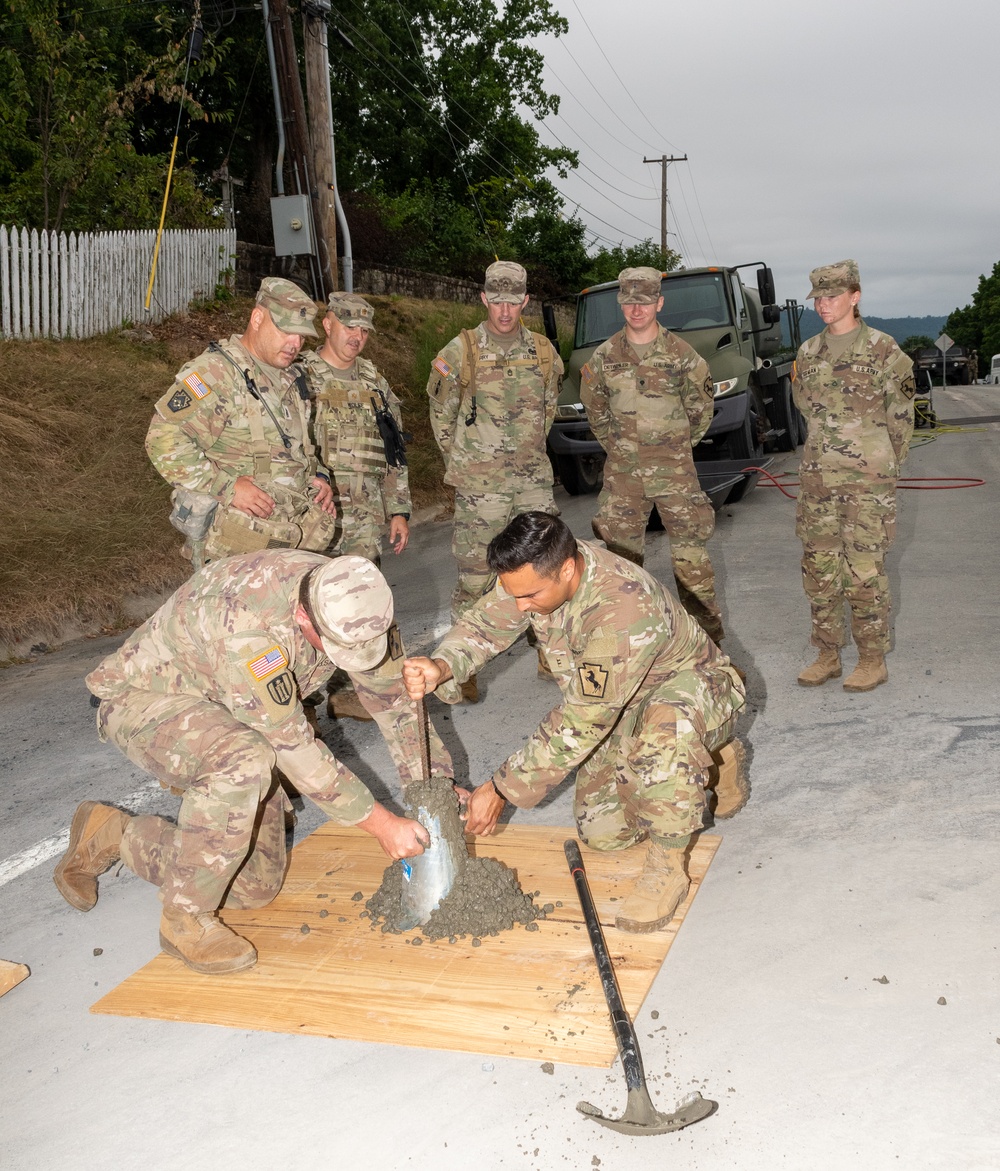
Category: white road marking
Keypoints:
(18, 864)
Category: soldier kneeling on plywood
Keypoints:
(649, 703)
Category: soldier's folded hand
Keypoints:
(248, 498)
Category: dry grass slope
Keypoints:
(83, 515)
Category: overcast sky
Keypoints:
(814, 132)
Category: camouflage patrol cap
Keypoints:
(351, 310)
(833, 279)
(291, 310)
(351, 604)
(506, 281)
(639, 286)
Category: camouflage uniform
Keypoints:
(367, 491)
(648, 414)
(491, 407)
(210, 428)
(647, 696)
(859, 410)
(206, 696)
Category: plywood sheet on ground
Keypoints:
(531, 994)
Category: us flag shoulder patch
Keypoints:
(442, 367)
(196, 386)
(265, 665)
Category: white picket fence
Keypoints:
(81, 284)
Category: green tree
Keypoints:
(607, 263)
(978, 324)
(916, 341)
(70, 89)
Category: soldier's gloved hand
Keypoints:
(248, 498)
(399, 837)
(422, 675)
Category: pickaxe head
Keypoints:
(642, 1117)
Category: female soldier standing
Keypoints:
(855, 388)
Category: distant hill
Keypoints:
(898, 327)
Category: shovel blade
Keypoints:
(642, 1117)
(428, 877)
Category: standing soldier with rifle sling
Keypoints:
(359, 430)
(232, 438)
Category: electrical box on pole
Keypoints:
(292, 225)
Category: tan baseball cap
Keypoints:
(833, 279)
(351, 604)
(639, 286)
(352, 310)
(506, 281)
(291, 309)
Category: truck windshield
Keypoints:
(689, 302)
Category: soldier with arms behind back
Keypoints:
(493, 393)
(232, 437)
(648, 712)
(855, 388)
(649, 400)
(206, 696)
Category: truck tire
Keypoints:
(581, 474)
(783, 412)
(745, 445)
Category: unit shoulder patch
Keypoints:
(395, 643)
(282, 689)
(593, 680)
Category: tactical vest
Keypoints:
(349, 437)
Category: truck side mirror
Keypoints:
(771, 313)
(765, 285)
(549, 321)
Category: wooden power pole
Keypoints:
(663, 160)
(317, 58)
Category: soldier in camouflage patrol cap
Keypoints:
(232, 436)
(369, 491)
(649, 400)
(649, 703)
(855, 388)
(493, 393)
(207, 697)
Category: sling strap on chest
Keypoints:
(544, 351)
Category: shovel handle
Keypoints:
(423, 733)
(621, 1022)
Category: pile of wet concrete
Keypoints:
(485, 897)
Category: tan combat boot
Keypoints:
(827, 666)
(204, 943)
(730, 782)
(659, 891)
(345, 705)
(470, 690)
(95, 841)
(869, 673)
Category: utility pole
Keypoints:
(663, 160)
(317, 59)
(294, 115)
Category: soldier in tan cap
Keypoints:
(855, 388)
(649, 400)
(232, 438)
(359, 429)
(207, 697)
(493, 393)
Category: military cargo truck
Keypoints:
(738, 331)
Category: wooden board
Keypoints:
(520, 994)
(11, 975)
